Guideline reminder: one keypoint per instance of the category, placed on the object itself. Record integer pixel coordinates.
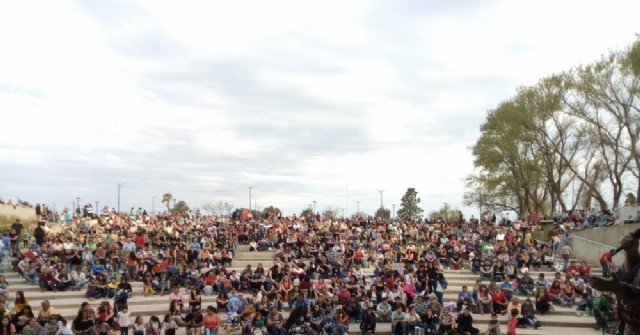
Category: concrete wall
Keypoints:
(24, 213)
(589, 244)
(609, 235)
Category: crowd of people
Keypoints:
(320, 273)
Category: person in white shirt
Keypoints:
(124, 319)
(79, 279)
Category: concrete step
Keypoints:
(249, 256)
(480, 321)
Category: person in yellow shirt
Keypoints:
(20, 301)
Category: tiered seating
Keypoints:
(562, 321)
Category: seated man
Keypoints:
(577, 282)
(507, 287)
(397, 320)
(526, 284)
(486, 270)
(383, 311)
(465, 299)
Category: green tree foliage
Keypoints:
(572, 133)
(409, 208)
(444, 213)
(181, 207)
(166, 200)
(270, 211)
(306, 212)
(383, 213)
(631, 199)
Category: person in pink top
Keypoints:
(177, 296)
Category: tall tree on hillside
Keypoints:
(409, 208)
(166, 199)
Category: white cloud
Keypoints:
(324, 101)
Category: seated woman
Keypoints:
(485, 303)
(543, 301)
(568, 294)
(528, 315)
(555, 292)
(222, 301)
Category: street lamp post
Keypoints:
(381, 202)
(119, 187)
(97, 210)
(78, 204)
(314, 207)
(394, 211)
(153, 205)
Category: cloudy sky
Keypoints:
(325, 101)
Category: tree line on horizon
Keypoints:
(409, 209)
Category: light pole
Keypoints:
(381, 202)
(314, 207)
(97, 210)
(250, 187)
(153, 205)
(394, 211)
(119, 187)
(446, 211)
(78, 204)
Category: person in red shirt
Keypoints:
(343, 294)
(499, 301)
(573, 267)
(585, 271)
(605, 261)
(359, 256)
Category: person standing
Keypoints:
(606, 260)
(627, 290)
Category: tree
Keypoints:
(330, 213)
(306, 212)
(181, 207)
(383, 213)
(209, 208)
(409, 208)
(166, 199)
(630, 200)
(444, 213)
(271, 211)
